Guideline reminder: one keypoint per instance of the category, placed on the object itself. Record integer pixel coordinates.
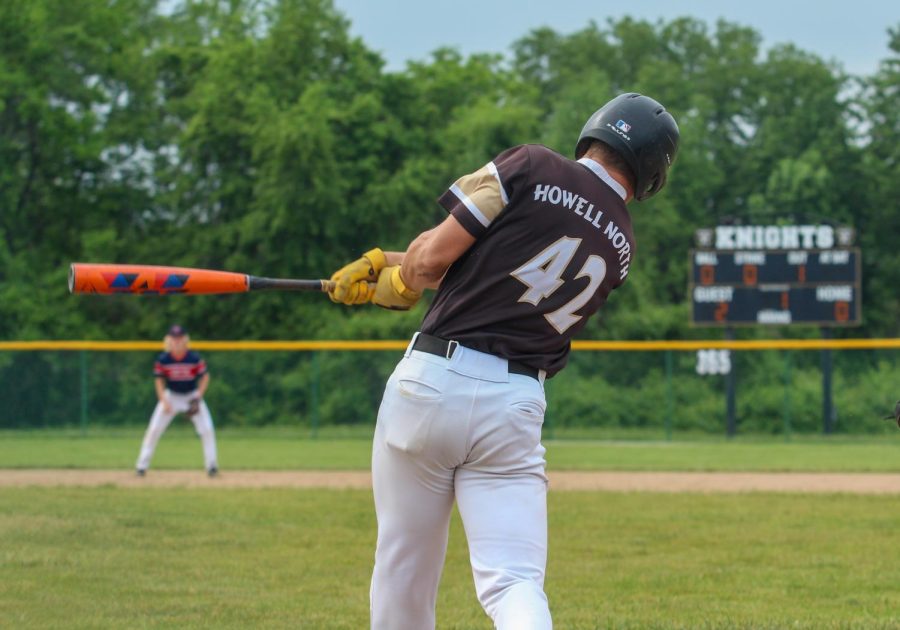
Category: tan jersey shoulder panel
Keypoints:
(483, 190)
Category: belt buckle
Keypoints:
(451, 348)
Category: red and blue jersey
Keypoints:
(181, 374)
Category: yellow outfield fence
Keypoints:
(400, 344)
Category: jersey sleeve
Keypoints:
(476, 199)
(158, 370)
(200, 368)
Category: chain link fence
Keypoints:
(655, 390)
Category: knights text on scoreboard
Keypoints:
(775, 275)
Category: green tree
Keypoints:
(262, 137)
(76, 126)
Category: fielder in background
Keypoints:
(181, 381)
(533, 245)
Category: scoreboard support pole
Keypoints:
(670, 404)
(827, 404)
(730, 392)
(786, 406)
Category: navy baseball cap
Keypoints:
(177, 331)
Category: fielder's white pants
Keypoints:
(461, 428)
(160, 420)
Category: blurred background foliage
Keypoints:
(262, 137)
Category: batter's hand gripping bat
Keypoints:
(154, 280)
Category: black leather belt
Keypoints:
(444, 348)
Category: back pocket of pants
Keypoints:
(528, 410)
(527, 418)
(410, 408)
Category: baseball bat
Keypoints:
(156, 280)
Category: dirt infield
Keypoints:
(853, 483)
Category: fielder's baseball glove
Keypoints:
(193, 407)
(896, 414)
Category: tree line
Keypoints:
(262, 137)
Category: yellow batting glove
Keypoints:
(391, 292)
(360, 292)
(352, 282)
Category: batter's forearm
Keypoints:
(429, 256)
(414, 275)
(421, 268)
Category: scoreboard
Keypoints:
(776, 287)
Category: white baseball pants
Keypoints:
(461, 428)
(160, 420)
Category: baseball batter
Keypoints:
(181, 379)
(533, 245)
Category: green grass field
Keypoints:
(111, 557)
(206, 558)
(286, 450)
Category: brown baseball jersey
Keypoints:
(553, 238)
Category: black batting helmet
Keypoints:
(642, 132)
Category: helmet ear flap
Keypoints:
(652, 187)
(582, 147)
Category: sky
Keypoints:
(853, 34)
